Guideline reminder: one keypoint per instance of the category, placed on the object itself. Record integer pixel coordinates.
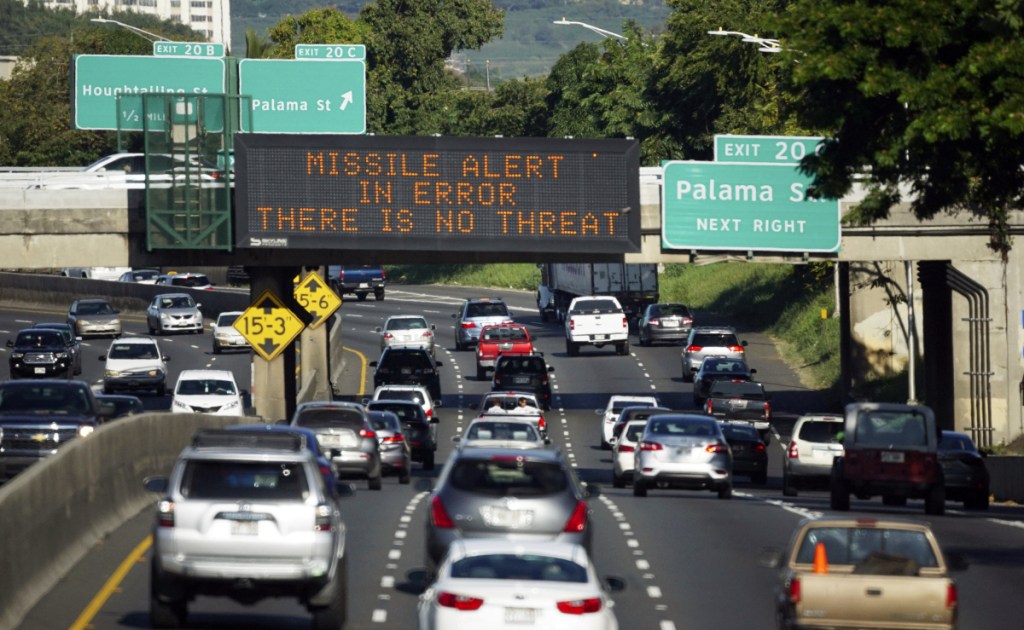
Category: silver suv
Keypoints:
(710, 341)
(246, 516)
(474, 315)
(345, 435)
(815, 443)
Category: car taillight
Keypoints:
(767, 410)
(165, 513)
(439, 516)
(541, 423)
(466, 325)
(625, 322)
(651, 446)
(572, 325)
(430, 414)
(427, 334)
(394, 439)
(654, 322)
(578, 521)
(326, 470)
(716, 448)
(341, 275)
(580, 606)
(623, 448)
(458, 602)
(367, 434)
(383, 275)
(388, 335)
(707, 407)
(688, 320)
(323, 518)
(759, 448)
(793, 451)
(952, 596)
(793, 591)
(692, 348)
(735, 348)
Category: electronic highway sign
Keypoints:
(437, 194)
(750, 207)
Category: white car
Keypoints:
(624, 452)
(417, 393)
(501, 430)
(813, 446)
(207, 391)
(407, 331)
(615, 406)
(134, 363)
(224, 334)
(495, 584)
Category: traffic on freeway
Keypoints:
(675, 558)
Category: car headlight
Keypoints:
(85, 429)
(84, 322)
(155, 372)
(17, 355)
(231, 405)
(164, 316)
(111, 373)
(60, 355)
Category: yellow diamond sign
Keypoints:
(269, 325)
(317, 298)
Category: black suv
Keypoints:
(419, 432)
(524, 373)
(40, 353)
(408, 366)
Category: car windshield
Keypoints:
(178, 301)
(39, 339)
(257, 481)
(487, 309)
(854, 545)
(715, 340)
(519, 567)
(133, 351)
(340, 417)
(488, 430)
(95, 308)
(891, 428)
(820, 431)
(505, 334)
(669, 427)
(508, 476)
(227, 319)
(206, 387)
(406, 323)
(43, 398)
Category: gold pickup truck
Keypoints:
(862, 573)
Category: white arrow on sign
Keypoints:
(346, 99)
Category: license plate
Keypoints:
(600, 336)
(519, 615)
(521, 380)
(499, 516)
(39, 370)
(406, 371)
(244, 528)
(670, 324)
(364, 285)
(738, 403)
(892, 457)
(329, 441)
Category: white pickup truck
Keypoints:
(863, 573)
(596, 320)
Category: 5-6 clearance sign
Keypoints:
(753, 207)
(436, 193)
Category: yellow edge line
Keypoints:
(112, 585)
(362, 371)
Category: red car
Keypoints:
(498, 339)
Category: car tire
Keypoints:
(164, 613)
(687, 374)
(481, 373)
(725, 491)
(378, 295)
(894, 500)
(161, 389)
(839, 492)
(618, 481)
(361, 297)
(760, 478)
(216, 348)
(428, 460)
(334, 615)
(789, 488)
(571, 348)
(639, 487)
(404, 477)
(622, 348)
(375, 483)
(642, 340)
(108, 390)
(935, 500)
(458, 344)
(977, 501)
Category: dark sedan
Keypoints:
(749, 454)
(964, 470)
(664, 322)
(408, 366)
(717, 369)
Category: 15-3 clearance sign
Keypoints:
(437, 194)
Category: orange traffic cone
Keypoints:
(820, 558)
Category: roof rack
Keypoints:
(255, 439)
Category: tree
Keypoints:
(925, 93)
(256, 47)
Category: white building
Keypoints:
(211, 18)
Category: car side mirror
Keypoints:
(166, 358)
(613, 584)
(456, 439)
(694, 370)
(770, 557)
(434, 420)
(377, 329)
(438, 403)
(433, 327)
(103, 357)
(547, 441)
(612, 440)
(591, 490)
(198, 305)
(744, 343)
(753, 371)
(155, 484)
(243, 392)
(439, 364)
(372, 364)
(10, 344)
(551, 368)
(424, 484)
(455, 315)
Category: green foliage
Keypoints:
(505, 276)
(926, 93)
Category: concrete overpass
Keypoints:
(966, 327)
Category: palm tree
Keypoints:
(256, 47)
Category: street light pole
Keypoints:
(153, 37)
(590, 27)
(766, 45)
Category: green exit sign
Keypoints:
(765, 149)
(188, 49)
(331, 52)
(304, 96)
(749, 207)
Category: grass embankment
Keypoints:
(784, 301)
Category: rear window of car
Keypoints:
(742, 389)
(729, 366)
(401, 394)
(813, 431)
(519, 567)
(715, 339)
(520, 365)
(670, 310)
(740, 432)
(94, 308)
(496, 430)
(848, 545)
(596, 306)
(505, 334)
(891, 428)
(668, 427)
(511, 476)
(326, 418)
(56, 399)
(405, 413)
(406, 324)
(415, 360)
(486, 309)
(266, 481)
(956, 443)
